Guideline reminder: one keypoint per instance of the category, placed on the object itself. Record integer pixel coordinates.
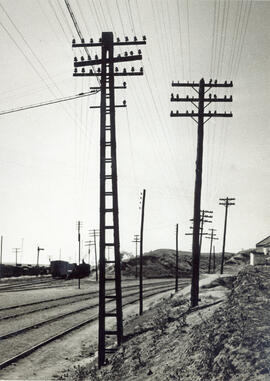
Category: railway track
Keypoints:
(22, 337)
(25, 309)
(19, 287)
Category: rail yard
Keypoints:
(35, 312)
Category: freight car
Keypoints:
(64, 269)
(80, 271)
(61, 269)
(7, 271)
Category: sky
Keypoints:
(49, 156)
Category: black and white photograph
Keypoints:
(134, 190)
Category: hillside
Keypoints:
(161, 263)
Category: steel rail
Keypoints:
(59, 317)
(77, 295)
(65, 332)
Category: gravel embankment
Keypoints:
(226, 341)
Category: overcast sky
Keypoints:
(49, 156)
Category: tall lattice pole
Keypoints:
(200, 116)
(109, 223)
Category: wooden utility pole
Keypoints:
(206, 216)
(16, 250)
(141, 254)
(214, 259)
(109, 223)
(200, 116)
(88, 245)
(226, 202)
(38, 250)
(136, 240)
(176, 255)
(94, 234)
(212, 237)
(79, 225)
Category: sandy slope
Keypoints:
(226, 341)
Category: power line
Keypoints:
(79, 32)
(47, 103)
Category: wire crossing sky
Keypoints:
(49, 156)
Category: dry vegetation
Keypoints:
(227, 341)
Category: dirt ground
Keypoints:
(152, 322)
(226, 338)
(52, 361)
(229, 340)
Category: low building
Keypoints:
(264, 246)
(261, 255)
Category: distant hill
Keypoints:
(161, 263)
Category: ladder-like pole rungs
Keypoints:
(109, 244)
(109, 279)
(110, 333)
(110, 350)
(108, 210)
(108, 144)
(108, 194)
(110, 314)
(110, 296)
(110, 262)
(109, 226)
(108, 177)
(109, 160)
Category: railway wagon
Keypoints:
(7, 271)
(61, 269)
(80, 271)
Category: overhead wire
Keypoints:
(243, 39)
(103, 13)
(213, 40)
(224, 128)
(46, 103)
(59, 22)
(25, 56)
(84, 143)
(30, 48)
(189, 37)
(142, 105)
(166, 35)
(243, 16)
(35, 56)
(235, 37)
(222, 64)
(161, 105)
(180, 38)
(76, 26)
(96, 14)
(221, 37)
(82, 16)
(185, 124)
